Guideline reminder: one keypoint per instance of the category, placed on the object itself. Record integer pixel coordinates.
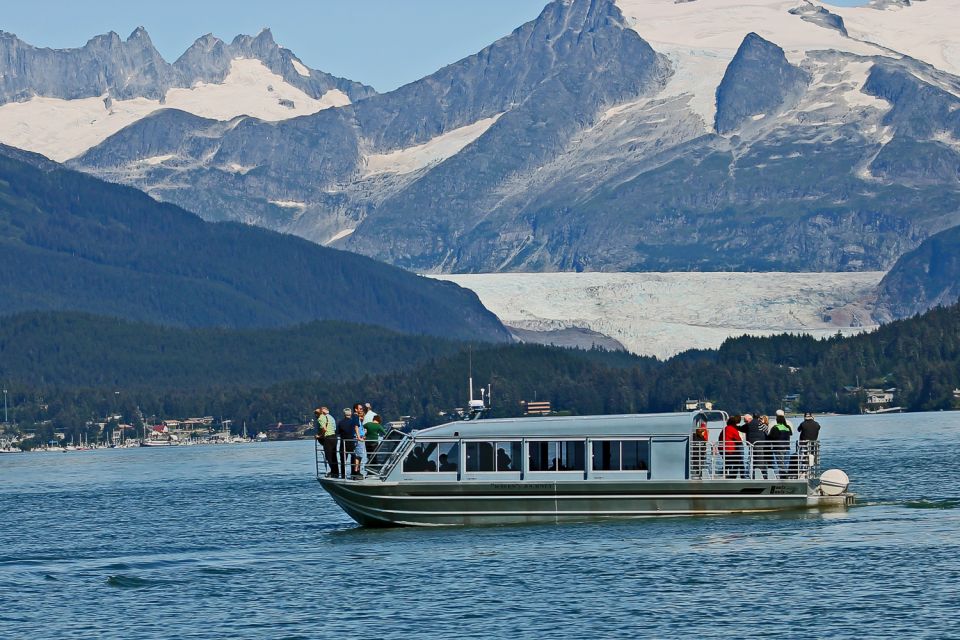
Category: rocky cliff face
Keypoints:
(627, 135)
(133, 68)
(923, 278)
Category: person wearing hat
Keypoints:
(345, 433)
(780, 433)
(809, 429)
(327, 435)
(808, 449)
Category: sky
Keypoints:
(382, 43)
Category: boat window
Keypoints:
(563, 455)
(479, 456)
(422, 457)
(449, 458)
(621, 455)
(509, 456)
(636, 455)
(606, 455)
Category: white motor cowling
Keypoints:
(833, 482)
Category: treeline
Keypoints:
(920, 356)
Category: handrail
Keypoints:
(765, 459)
(381, 455)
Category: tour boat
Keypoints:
(571, 468)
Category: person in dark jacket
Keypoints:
(753, 434)
(345, 433)
(809, 429)
(808, 449)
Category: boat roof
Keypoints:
(637, 424)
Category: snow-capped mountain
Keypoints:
(609, 135)
(61, 102)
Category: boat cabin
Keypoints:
(617, 447)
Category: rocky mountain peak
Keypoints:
(758, 82)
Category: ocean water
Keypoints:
(241, 542)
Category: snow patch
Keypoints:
(338, 235)
(156, 160)
(233, 167)
(700, 39)
(432, 152)
(662, 314)
(924, 30)
(289, 204)
(299, 67)
(62, 129)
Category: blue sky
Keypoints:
(383, 43)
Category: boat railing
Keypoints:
(761, 460)
(379, 460)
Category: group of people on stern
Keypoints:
(763, 449)
(358, 431)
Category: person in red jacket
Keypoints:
(731, 447)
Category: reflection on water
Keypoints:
(241, 542)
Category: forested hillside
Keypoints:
(919, 356)
(71, 242)
(72, 349)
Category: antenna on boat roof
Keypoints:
(476, 408)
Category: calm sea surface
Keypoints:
(241, 542)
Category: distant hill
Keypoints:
(920, 357)
(72, 349)
(923, 278)
(71, 241)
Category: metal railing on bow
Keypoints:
(377, 457)
(765, 460)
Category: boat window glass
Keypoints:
(422, 457)
(449, 458)
(480, 456)
(636, 455)
(621, 455)
(509, 456)
(606, 455)
(563, 455)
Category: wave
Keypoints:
(132, 582)
(945, 503)
(222, 571)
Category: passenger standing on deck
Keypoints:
(345, 433)
(808, 450)
(781, 443)
(732, 448)
(375, 433)
(368, 413)
(753, 434)
(359, 436)
(327, 435)
(701, 435)
(763, 449)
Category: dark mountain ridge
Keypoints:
(71, 241)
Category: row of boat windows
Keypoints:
(542, 455)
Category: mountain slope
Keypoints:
(609, 135)
(56, 349)
(70, 241)
(923, 278)
(60, 102)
